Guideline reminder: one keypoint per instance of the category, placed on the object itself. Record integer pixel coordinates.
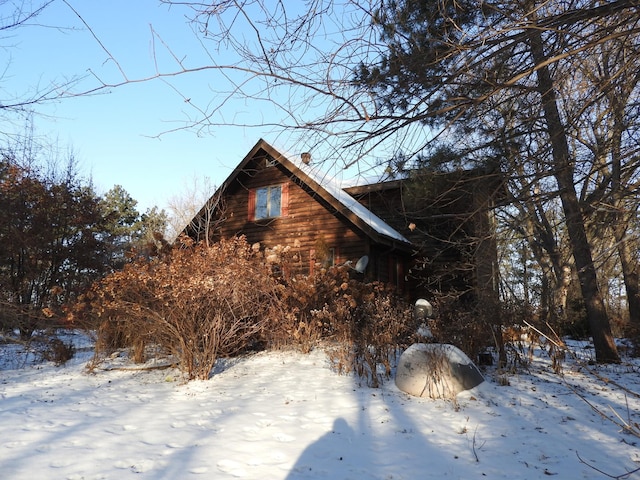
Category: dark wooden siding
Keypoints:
(309, 228)
(458, 246)
(450, 225)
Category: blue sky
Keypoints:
(112, 134)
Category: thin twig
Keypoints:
(557, 344)
(623, 475)
(473, 445)
(626, 427)
(97, 39)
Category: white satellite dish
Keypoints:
(361, 265)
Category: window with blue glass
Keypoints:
(268, 202)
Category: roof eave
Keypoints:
(316, 187)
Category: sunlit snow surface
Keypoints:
(287, 415)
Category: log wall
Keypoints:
(310, 228)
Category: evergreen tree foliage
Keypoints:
(57, 236)
(498, 77)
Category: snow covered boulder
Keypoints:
(436, 370)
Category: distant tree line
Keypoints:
(57, 236)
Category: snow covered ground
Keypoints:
(285, 415)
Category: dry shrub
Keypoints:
(195, 303)
(313, 304)
(382, 325)
(518, 342)
(56, 351)
(23, 318)
(478, 327)
(465, 324)
(365, 323)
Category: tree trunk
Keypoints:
(623, 215)
(629, 274)
(597, 317)
(563, 281)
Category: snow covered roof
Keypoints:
(330, 189)
(335, 187)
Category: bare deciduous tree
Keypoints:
(20, 15)
(196, 209)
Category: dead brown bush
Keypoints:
(196, 303)
(470, 326)
(383, 324)
(57, 351)
(363, 324)
(314, 303)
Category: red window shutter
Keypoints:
(284, 199)
(251, 206)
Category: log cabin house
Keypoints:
(274, 199)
